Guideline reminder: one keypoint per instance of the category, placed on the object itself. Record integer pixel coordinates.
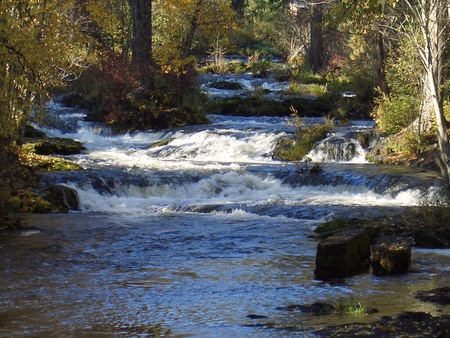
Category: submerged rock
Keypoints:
(439, 296)
(343, 255)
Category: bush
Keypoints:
(396, 112)
(305, 138)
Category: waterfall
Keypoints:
(338, 148)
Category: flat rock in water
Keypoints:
(409, 324)
(439, 296)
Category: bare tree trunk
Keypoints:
(432, 11)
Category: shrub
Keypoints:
(395, 112)
(305, 138)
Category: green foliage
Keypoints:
(311, 90)
(305, 75)
(260, 68)
(180, 26)
(401, 107)
(305, 138)
(395, 112)
(352, 308)
(40, 45)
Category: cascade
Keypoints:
(338, 148)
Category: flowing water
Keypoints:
(205, 235)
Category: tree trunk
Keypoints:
(141, 46)
(316, 53)
(381, 73)
(432, 11)
(194, 25)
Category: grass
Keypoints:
(307, 89)
(353, 308)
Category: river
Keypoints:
(205, 236)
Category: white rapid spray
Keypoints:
(225, 165)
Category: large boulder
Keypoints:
(391, 255)
(343, 255)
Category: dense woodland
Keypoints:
(133, 63)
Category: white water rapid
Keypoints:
(228, 162)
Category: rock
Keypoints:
(439, 296)
(31, 132)
(410, 324)
(317, 308)
(59, 146)
(226, 85)
(343, 255)
(63, 197)
(161, 143)
(336, 226)
(391, 255)
(253, 316)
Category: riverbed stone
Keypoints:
(439, 295)
(343, 255)
(391, 255)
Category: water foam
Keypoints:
(234, 188)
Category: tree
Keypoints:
(316, 54)
(41, 45)
(431, 18)
(110, 24)
(368, 19)
(141, 46)
(182, 26)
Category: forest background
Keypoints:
(133, 63)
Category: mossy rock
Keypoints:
(47, 163)
(336, 226)
(288, 149)
(391, 255)
(63, 198)
(50, 146)
(343, 255)
(30, 202)
(31, 132)
(247, 107)
(162, 143)
(158, 119)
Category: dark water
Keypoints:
(193, 238)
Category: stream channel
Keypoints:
(196, 237)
